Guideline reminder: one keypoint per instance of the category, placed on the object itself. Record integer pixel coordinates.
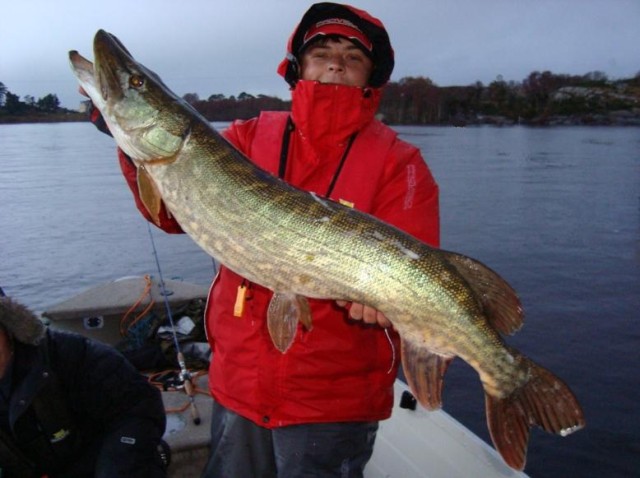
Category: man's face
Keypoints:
(336, 61)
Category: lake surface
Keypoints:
(554, 211)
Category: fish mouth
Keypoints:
(105, 78)
(80, 64)
(83, 70)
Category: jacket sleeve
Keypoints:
(116, 403)
(240, 133)
(408, 197)
(130, 173)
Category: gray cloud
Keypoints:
(208, 47)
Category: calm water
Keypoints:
(555, 211)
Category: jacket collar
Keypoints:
(326, 115)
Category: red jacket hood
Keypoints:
(383, 58)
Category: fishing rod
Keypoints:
(185, 375)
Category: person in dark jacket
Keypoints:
(71, 407)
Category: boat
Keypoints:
(413, 443)
(417, 443)
(97, 312)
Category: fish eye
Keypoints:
(136, 81)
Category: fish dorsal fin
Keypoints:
(149, 194)
(499, 301)
(284, 312)
(424, 371)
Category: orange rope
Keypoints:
(124, 327)
(153, 380)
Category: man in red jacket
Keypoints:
(314, 410)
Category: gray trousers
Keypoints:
(242, 449)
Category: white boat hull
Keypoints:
(423, 444)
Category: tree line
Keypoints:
(28, 109)
(12, 105)
(539, 98)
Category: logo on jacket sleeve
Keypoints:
(60, 435)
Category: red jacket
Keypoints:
(341, 370)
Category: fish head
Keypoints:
(146, 119)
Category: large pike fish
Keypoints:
(299, 245)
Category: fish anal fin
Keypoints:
(284, 312)
(424, 371)
(499, 301)
(544, 401)
(149, 194)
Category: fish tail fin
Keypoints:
(544, 401)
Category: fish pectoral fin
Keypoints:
(149, 194)
(499, 301)
(544, 401)
(424, 371)
(284, 312)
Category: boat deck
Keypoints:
(411, 444)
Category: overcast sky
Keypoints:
(231, 46)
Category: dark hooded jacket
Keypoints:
(72, 407)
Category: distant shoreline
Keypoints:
(610, 119)
(66, 117)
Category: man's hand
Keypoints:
(367, 314)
